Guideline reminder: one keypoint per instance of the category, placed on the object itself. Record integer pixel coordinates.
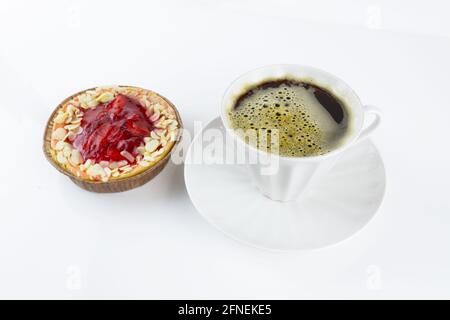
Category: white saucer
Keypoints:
(335, 209)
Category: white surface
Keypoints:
(58, 241)
(332, 210)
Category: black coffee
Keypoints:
(308, 120)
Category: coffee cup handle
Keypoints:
(370, 110)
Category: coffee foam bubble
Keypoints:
(304, 128)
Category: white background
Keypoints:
(58, 241)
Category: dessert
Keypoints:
(112, 133)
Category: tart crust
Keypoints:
(67, 124)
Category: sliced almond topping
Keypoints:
(149, 157)
(144, 101)
(104, 164)
(59, 134)
(163, 140)
(127, 155)
(72, 126)
(158, 108)
(152, 145)
(61, 117)
(71, 109)
(144, 163)
(86, 165)
(158, 152)
(155, 116)
(122, 163)
(116, 174)
(172, 136)
(167, 122)
(173, 125)
(67, 151)
(141, 149)
(113, 165)
(87, 101)
(108, 171)
(71, 135)
(75, 157)
(154, 135)
(60, 145)
(105, 97)
(160, 123)
(125, 168)
(60, 158)
(95, 170)
(92, 103)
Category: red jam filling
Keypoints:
(113, 129)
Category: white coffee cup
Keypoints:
(294, 175)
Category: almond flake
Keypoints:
(60, 158)
(127, 155)
(105, 97)
(122, 163)
(113, 165)
(67, 151)
(144, 101)
(173, 125)
(141, 149)
(155, 116)
(70, 110)
(115, 174)
(157, 107)
(92, 103)
(108, 172)
(59, 134)
(149, 157)
(154, 135)
(72, 126)
(71, 135)
(151, 146)
(75, 157)
(86, 165)
(126, 168)
(61, 117)
(104, 164)
(95, 170)
(160, 123)
(60, 145)
(144, 163)
(163, 140)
